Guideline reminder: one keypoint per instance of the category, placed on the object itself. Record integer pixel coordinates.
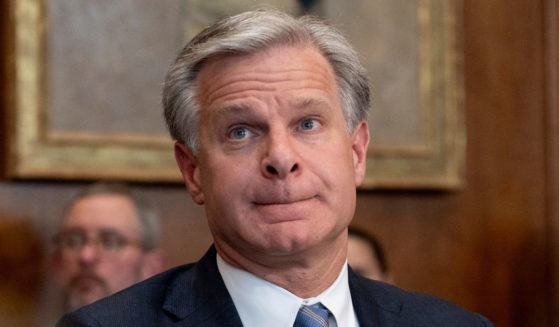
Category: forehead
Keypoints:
(277, 68)
(289, 54)
(103, 211)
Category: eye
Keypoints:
(308, 124)
(239, 133)
(71, 240)
(112, 241)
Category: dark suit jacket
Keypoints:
(195, 295)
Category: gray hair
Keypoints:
(251, 32)
(147, 214)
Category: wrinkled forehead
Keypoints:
(100, 212)
(257, 53)
(264, 65)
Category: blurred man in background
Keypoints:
(107, 241)
(366, 255)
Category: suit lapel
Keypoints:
(199, 297)
(373, 307)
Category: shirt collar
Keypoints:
(261, 303)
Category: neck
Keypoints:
(305, 274)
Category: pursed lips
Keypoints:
(282, 202)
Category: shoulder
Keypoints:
(138, 305)
(404, 308)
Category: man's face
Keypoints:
(276, 168)
(111, 257)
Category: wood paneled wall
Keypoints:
(493, 247)
(551, 16)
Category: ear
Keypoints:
(360, 140)
(155, 261)
(189, 167)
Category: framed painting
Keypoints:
(411, 50)
(86, 84)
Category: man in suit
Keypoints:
(269, 117)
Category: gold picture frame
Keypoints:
(38, 148)
(434, 156)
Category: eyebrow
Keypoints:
(310, 103)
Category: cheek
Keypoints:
(127, 263)
(120, 273)
(227, 193)
(66, 267)
(224, 180)
(66, 271)
(339, 179)
(338, 171)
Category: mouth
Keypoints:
(278, 211)
(86, 281)
(85, 289)
(282, 202)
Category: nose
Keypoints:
(88, 254)
(280, 159)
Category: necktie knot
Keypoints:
(312, 316)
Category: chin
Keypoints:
(290, 245)
(75, 303)
(81, 299)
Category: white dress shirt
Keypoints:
(261, 303)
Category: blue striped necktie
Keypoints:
(312, 316)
